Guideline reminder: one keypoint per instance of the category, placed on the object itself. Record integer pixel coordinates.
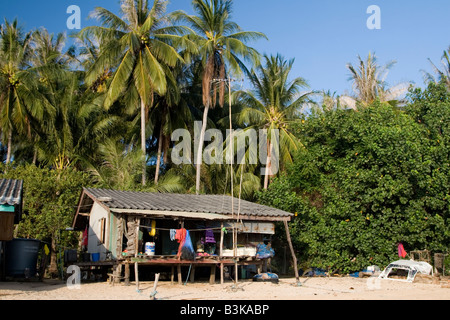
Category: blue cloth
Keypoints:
(264, 252)
(187, 251)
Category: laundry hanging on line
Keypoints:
(173, 233)
(180, 236)
(185, 249)
(209, 236)
(152, 230)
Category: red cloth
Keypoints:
(85, 237)
(401, 251)
(180, 236)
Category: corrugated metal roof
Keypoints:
(216, 204)
(178, 214)
(11, 192)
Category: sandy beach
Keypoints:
(316, 288)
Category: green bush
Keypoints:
(50, 199)
(368, 180)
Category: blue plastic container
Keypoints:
(95, 257)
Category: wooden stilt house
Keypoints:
(125, 228)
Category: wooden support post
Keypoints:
(236, 270)
(221, 252)
(154, 292)
(127, 273)
(136, 275)
(294, 258)
(235, 253)
(180, 281)
(118, 272)
(212, 277)
(120, 234)
(172, 274)
(136, 251)
(192, 275)
(221, 240)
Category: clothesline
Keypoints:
(168, 229)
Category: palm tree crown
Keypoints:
(140, 47)
(221, 43)
(442, 74)
(17, 85)
(274, 104)
(369, 83)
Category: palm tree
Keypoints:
(17, 83)
(118, 169)
(221, 43)
(369, 83)
(46, 61)
(84, 54)
(442, 74)
(140, 46)
(170, 112)
(68, 130)
(274, 104)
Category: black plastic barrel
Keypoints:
(21, 257)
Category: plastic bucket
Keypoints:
(21, 257)
(86, 257)
(95, 257)
(150, 248)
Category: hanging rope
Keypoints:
(189, 273)
(240, 191)
(225, 189)
(166, 229)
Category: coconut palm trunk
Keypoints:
(8, 154)
(159, 154)
(53, 268)
(220, 43)
(142, 48)
(200, 149)
(268, 165)
(274, 104)
(143, 144)
(35, 154)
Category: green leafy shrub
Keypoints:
(368, 180)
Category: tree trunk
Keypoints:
(53, 268)
(166, 147)
(158, 159)
(268, 166)
(35, 153)
(143, 145)
(200, 150)
(294, 258)
(8, 154)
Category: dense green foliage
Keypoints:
(369, 180)
(50, 198)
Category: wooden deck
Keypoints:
(204, 261)
(243, 260)
(124, 263)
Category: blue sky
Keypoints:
(322, 35)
